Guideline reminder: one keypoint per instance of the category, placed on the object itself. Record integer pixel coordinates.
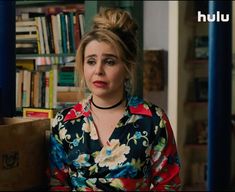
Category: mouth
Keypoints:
(100, 84)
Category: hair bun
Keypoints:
(116, 20)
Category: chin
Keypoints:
(100, 93)
(104, 92)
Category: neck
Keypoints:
(104, 104)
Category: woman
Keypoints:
(112, 140)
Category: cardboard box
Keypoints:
(23, 153)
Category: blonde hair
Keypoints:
(117, 28)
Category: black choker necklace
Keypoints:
(115, 105)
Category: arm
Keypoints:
(58, 172)
(164, 158)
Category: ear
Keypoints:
(127, 76)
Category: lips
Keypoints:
(100, 84)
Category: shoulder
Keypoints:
(60, 116)
(162, 124)
(151, 111)
(140, 106)
(82, 108)
(158, 114)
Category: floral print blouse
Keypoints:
(140, 154)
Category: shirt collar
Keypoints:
(135, 105)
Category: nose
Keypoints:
(99, 70)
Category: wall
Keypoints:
(156, 37)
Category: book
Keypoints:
(27, 64)
(55, 33)
(50, 34)
(82, 23)
(47, 76)
(28, 15)
(25, 23)
(45, 35)
(63, 33)
(26, 88)
(26, 47)
(36, 89)
(43, 88)
(39, 113)
(66, 76)
(71, 32)
(67, 32)
(40, 35)
(26, 36)
(26, 30)
(19, 88)
(67, 88)
(63, 105)
(32, 88)
(199, 173)
(77, 32)
(67, 96)
(55, 77)
(59, 33)
(53, 87)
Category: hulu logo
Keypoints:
(218, 17)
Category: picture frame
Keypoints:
(201, 128)
(153, 70)
(201, 47)
(201, 89)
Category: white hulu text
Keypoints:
(218, 17)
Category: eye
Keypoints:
(110, 61)
(91, 62)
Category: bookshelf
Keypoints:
(47, 36)
(193, 100)
(54, 47)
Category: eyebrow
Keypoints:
(110, 55)
(106, 55)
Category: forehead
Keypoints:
(99, 48)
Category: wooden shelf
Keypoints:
(196, 146)
(196, 104)
(197, 61)
(22, 56)
(194, 187)
(46, 2)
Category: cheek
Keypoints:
(118, 76)
(87, 78)
(87, 73)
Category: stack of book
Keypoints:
(26, 37)
(67, 92)
(54, 31)
(53, 88)
(36, 88)
(66, 76)
(199, 173)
